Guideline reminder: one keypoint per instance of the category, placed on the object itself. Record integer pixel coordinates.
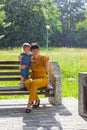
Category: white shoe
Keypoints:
(21, 84)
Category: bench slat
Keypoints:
(12, 88)
(23, 93)
(19, 88)
(9, 62)
(10, 93)
(9, 73)
(10, 79)
(9, 67)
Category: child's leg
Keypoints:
(24, 76)
(24, 73)
(22, 82)
(22, 79)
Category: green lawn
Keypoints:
(71, 61)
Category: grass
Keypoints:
(71, 62)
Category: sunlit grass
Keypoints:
(71, 62)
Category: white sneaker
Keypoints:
(21, 84)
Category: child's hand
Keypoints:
(22, 67)
(20, 57)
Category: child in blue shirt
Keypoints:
(24, 58)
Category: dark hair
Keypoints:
(34, 46)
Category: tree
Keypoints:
(81, 32)
(26, 20)
(2, 17)
(72, 12)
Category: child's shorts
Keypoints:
(25, 72)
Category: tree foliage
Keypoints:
(72, 13)
(25, 21)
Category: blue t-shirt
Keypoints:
(26, 59)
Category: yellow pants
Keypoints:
(33, 84)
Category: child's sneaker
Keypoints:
(21, 84)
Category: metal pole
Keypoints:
(47, 39)
(47, 28)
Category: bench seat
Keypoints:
(17, 90)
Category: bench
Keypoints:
(82, 94)
(10, 76)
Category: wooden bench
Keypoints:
(10, 79)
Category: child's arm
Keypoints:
(21, 66)
(20, 57)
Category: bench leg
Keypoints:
(57, 99)
(56, 82)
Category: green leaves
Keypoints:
(25, 21)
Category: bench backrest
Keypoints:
(9, 71)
